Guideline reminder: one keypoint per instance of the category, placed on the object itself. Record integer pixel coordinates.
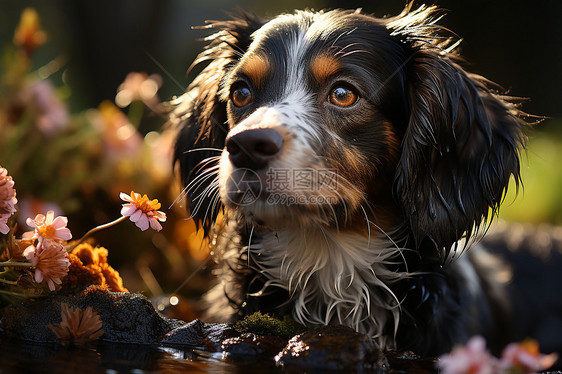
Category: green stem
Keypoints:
(96, 229)
(16, 264)
(5, 281)
(12, 293)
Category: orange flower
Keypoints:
(78, 325)
(48, 228)
(142, 211)
(50, 261)
(28, 33)
(94, 262)
(8, 200)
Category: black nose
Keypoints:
(253, 149)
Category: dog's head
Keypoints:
(341, 119)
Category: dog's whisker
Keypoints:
(201, 178)
(250, 243)
(368, 226)
(213, 194)
(400, 249)
(200, 201)
(204, 149)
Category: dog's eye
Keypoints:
(343, 96)
(241, 95)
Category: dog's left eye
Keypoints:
(241, 95)
(343, 96)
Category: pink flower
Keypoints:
(31, 206)
(120, 137)
(139, 86)
(526, 357)
(50, 260)
(142, 211)
(52, 114)
(48, 228)
(8, 200)
(474, 358)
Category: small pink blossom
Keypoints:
(142, 211)
(50, 260)
(526, 357)
(139, 86)
(48, 228)
(119, 135)
(52, 113)
(8, 200)
(31, 206)
(473, 358)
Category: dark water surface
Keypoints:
(23, 357)
(103, 357)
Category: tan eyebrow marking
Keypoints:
(256, 68)
(323, 66)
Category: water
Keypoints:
(24, 357)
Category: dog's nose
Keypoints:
(254, 148)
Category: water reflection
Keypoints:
(19, 357)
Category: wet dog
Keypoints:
(341, 164)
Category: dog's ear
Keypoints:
(201, 116)
(461, 145)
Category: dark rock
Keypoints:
(126, 317)
(249, 346)
(196, 334)
(191, 334)
(409, 362)
(332, 348)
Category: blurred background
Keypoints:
(71, 146)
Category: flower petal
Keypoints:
(4, 229)
(154, 224)
(30, 222)
(29, 252)
(38, 276)
(59, 222)
(142, 223)
(63, 234)
(28, 235)
(49, 218)
(125, 197)
(137, 215)
(128, 210)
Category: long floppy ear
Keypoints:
(461, 145)
(201, 115)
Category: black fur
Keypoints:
(200, 112)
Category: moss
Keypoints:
(264, 324)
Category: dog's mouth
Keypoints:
(280, 196)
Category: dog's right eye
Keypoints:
(241, 95)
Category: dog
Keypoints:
(342, 166)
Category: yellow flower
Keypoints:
(142, 211)
(28, 33)
(78, 325)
